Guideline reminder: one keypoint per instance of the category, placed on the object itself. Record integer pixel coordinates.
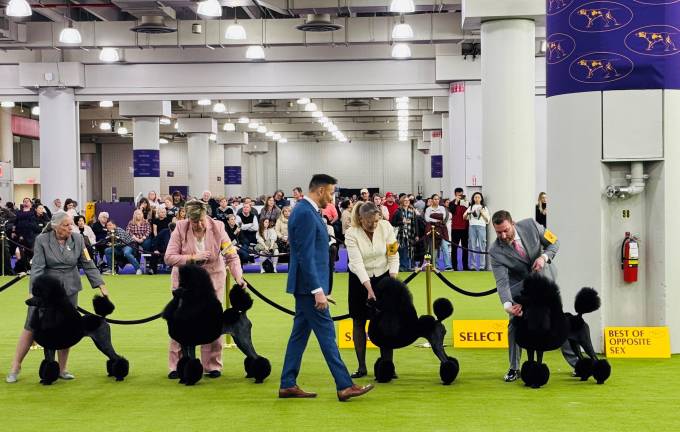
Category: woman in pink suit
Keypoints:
(202, 240)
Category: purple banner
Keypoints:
(147, 163)
(232, 175)
(437, 166)
(612, 45)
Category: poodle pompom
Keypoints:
(584, 368)
(448, 370)
(383, 370)
(240, 299)
(48, 372)
(118, 368)
(231, 316)
(261, 368)
(601, 370)
(103, 305)
(587, 300)
(426, 325)
(193, 372)
(443, 308)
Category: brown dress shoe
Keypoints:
(295, 392)
(353, 391)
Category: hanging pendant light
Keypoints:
(7, 104)
(219, 107)
(106, 104)
(35, 111)
(402, 30)
(18, 8)
(163, 141)
(235, 31)
(243, 120)
(229, 127)
(402, 6)
(209, 8)
(401, 51)
(204, 102)
(255, 52)
(109, 55)
(70, 35)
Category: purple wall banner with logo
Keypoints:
(232, 175)
(437, 166)
(147, 163)
(612, 45)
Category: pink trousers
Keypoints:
(211, 354)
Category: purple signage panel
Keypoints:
(612, 45)
(437, 166)
(147, 163)
(232, 175)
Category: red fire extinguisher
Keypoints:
(630, 254)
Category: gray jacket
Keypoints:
(510, 269)
(50, 258)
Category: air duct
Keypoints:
(318, 23)
(152, 25)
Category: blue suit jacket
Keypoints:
(308, 238)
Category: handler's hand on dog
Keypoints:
(538, 264)
(371, 295)
(103, 290)
(321, 302)
(516, 310)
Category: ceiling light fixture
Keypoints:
(401, 99)
(106, 104)
(402, 6)
(243, 120)
(7, 104)
(270, 133)
(109, 55)
(212, 137)
(262, 129)
(317, 114)
(253, 125)
(303, 101)
(283, 140)
(18, 8)
(276, 137)
(402, 113)
(310, 107)
(255, 52)
(70, 35)
(163, 141)
(402, 30)
(105, 125)
(164, 121)
(35, 111)
(229, 127)
(176, 125)
(235, 31)
(402, 105)
(122, 130)
(219, 107)
(401, 51)
(210, 8)
(204, 102)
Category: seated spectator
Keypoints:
(270, 211)
(249, 226)
(253, 210)
(177, 199)
(140, 231)
(280, 199)
(145, 207)
(160, 228)
(170, 208)
(122, 248)
(154, 201)
(100, 233)
(181, 215)
(89, 239)
(71, 207)
(210, 203)
(233, 231)
(266, 244)
(222, 211)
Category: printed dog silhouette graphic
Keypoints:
(656, 38)
(599, 67)
(593, 15)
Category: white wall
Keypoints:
(382, 163)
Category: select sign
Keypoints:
(480, 333)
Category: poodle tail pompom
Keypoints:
(443, 308)
(103, 305)
(587, 300)
(231, 316)
(426, 325)
(240, 299)
(92, 322)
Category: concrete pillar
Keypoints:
(198, 159)
(59, 145)
(146, 155)
(508, 119)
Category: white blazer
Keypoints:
(368, 258)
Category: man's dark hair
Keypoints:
(501, 216)
(298, 188)
(319, 180)
(345, 204)
(458, 189)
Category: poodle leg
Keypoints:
(585, 341)
(542, 371)
(436, 340)
(192, 370)
(116, 365)
(256, 366)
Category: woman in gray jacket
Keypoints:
(57, 252)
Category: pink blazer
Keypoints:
(183, 244)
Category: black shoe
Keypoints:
(512, 375)
(359, 374)
(214, 374)
(173, 375)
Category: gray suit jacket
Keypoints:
(510, 269)
(50, 258)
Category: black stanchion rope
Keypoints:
(123, 322)
(14, 280)
(462, 291)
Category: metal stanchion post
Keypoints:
(428, 282)
(2, 243)
(113, 253)
(228, 341)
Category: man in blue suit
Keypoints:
(308, 282)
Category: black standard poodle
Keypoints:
(195, 317)
(395, 324)
(543, 326)
(56, 324)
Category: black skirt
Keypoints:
(357, 295)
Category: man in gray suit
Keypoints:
(520, 249)
(57, 252)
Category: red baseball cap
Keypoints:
(389, 194)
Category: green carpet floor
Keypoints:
(641, 394)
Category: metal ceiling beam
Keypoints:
(103, 13)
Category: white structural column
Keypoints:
(508, 119)
(59, 145)
(146, 155)
(6, 154)
(198, 163)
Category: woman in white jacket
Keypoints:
(266, 243)
(373, 252)
(479, 218)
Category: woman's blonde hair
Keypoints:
(363, 210)
(195, 209)
(540, 197)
